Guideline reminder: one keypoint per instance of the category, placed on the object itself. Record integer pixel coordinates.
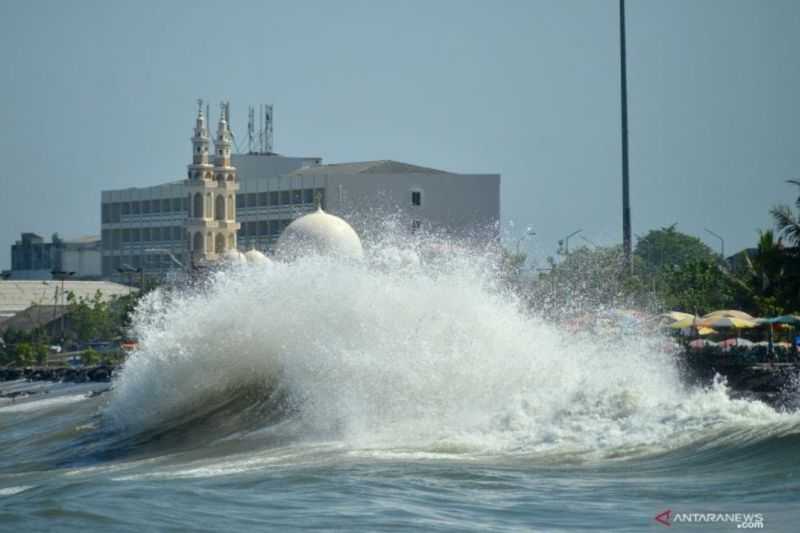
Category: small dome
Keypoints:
(234, 257)
(319, 233)
(254, 257)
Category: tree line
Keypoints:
(676, 271)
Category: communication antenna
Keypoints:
(268, 128)
(251, 128)
(260, 128)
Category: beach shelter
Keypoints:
(791, 320)
(688, 322)
(674, 316)
(729, 313)
(726, 322)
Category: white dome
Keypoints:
(319, 233)
(234, 257)
(254, 257)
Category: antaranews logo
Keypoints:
(663, 517)
(742, 520)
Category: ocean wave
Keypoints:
(396, 353)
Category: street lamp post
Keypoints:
(590, 241)
(566, 239)
(721, 242)
(61, 275)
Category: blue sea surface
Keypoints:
(61, 469)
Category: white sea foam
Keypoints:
(10, 491)
(398, 352)
(38, 403)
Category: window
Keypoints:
(165, 205)
(263, 227)
(135, 208)
(155, 234)
(176, 233)
(115, 209)
(126, 235)
(146, 234)
(135, 235)
(285, 198)
(274, 198)
(155, 206)
(241, 232)
(251, 199)
(239, 200)
(274, 227)
(145, 207)
(105, 237)
(176, 204)
(416, 198)
(106, 218)
(116, 237)
(308, 196)
(126, 208)
(415, 225)
(136, 261)
(251, 229)
(297, 197)
(263, 199)
(185, 204)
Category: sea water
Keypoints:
(410, 390)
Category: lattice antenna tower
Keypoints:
(268, 117)
(251, 129)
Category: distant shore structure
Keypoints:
(244, 201)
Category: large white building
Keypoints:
(149, 228)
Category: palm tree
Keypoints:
(786, 222)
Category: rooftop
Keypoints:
(33, 317)
(384, 166)
(18, 295)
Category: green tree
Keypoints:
(90, 357)
(40, 353)
(697, 287)
(587, 279)
(761, 278)
(786, 222)
(24, 354)
(667, 248)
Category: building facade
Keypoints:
(245, 201)
(34, 258)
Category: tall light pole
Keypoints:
(61, 275)
(566, 239)
(721, 242)
(626, 204)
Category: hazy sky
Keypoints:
(101, 95)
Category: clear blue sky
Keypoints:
(101, 95)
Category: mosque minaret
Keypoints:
(211, 225)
